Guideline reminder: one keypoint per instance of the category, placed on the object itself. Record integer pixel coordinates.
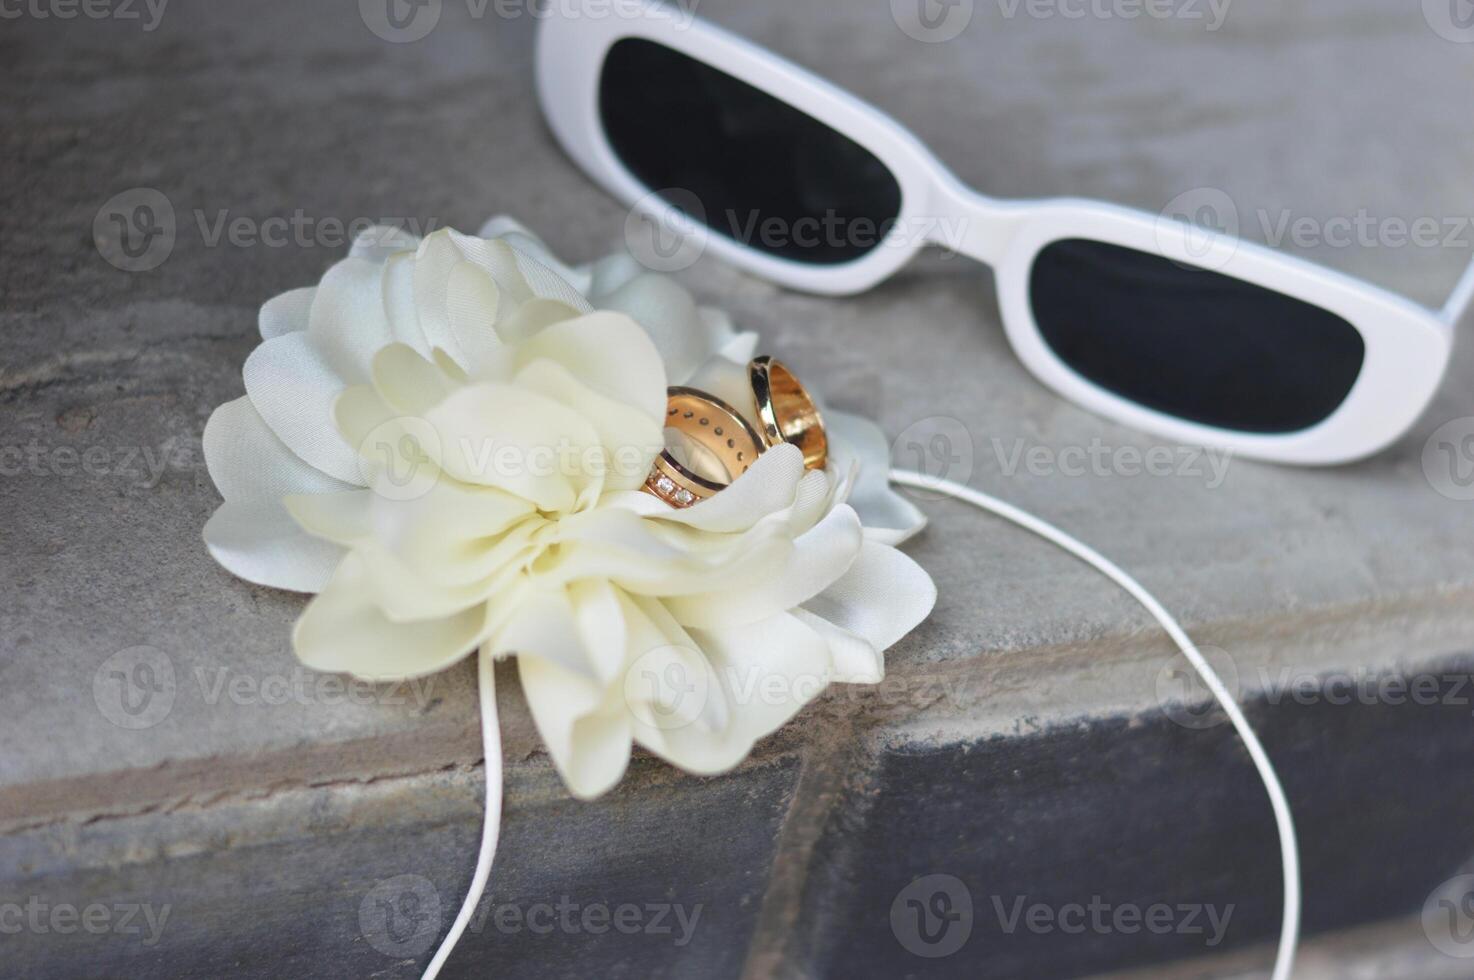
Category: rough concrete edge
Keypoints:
(941, 699)
(1032, 691)
(849, 741)
(453, 795)
(830, 764)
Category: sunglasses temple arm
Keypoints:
(1462, 298)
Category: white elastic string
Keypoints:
(1462, 297)
(491, 741)
(1289, 851)
(1289, 930)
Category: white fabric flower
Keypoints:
(445, 439)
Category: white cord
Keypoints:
(1289, 930)
(491, 740)
(1289, 850)
(1461, 299)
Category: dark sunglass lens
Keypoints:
(765, 174)
(1192, 343)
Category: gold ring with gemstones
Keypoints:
(716, 427)
(786, 412)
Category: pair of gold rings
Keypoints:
(784, 412)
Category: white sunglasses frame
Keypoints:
(1408, 347)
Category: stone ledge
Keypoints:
(993, 691)
(288, 884)
(93, 357)
(799, 855)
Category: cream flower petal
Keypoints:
(415, 583)
(342, 631)
(500, 436)
(531, 318)
(741, 348)
(816, 497)
(722, 332)
(668, 683)
(559, 697)
(435, 262)
(819, 558)
(288, 313)
(343, 518)
(884, 596)
(519, 276)
(609, 353)
(473, 301)
(409, 383)
(685, 338)
(770, 486)
(360, 415)
(293, 387)
(546, 625)
(378, 243)
(453, 535)
(404, 596)
(446, 533)
(586, 728)
(260, 543)
(729, 381)
(548, 284)
(348, 323)
(854, 660)
(249, 464)
(630, 438)
(581, 629)
(610, 274)
(766, 672)
(397, 292)
(888, 516)
(640, 557)
(517, 235)
(601, 624)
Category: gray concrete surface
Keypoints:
(1318, 110)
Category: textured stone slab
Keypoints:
(275, 109)
(314, 113)
(1079, 850)
(1122, 843)
(361, 879)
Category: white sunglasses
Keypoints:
(1175, 329)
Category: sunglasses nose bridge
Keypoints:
(971, 223)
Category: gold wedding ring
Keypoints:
(713, 426)
(786, 412)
